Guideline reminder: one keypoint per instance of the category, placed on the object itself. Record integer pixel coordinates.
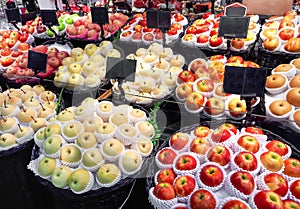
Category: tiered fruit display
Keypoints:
(201, 87)
(137, 31)
(83, 27)
(23, 112)
(156, 73)
(85, 68)
(283, 87)
(281, 33)
(96, 144)
(197, 177)
(19, 68)
(203, 33)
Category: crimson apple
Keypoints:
(191, 30)
(166, 175)
(219, 154)
(286, 34)
(214, 106)
(7, 61)
(295, 189)
(278, 147)
(220, 135)
(292, 167)
(238, 43)
(271, 161)
(249, 143)
(184, 185)
(267, 199)
(290, 204)
(243, 181)
(202, 39)
(202, 29)
(254, 130)
(24, 37)
(6, 52)
(172, 32)
(194, 101)
(235, 204)
(186, 162)
(202, 199)
(164, 191)
(78, 22)
(185, 76)
(246, 161)
(143, 23)
(179, 140)
(235, 59)
(205, 85)
(215, 41)
(166, 156)
(178, 17)
(54, 62)
(62, 54)
(148, 37)
(199, 145)
(211, 175)
(201, 131)
(16, 54)
(276, 183)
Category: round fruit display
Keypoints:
(23, 112)
(92, 145)
(246, 181)
(205, 32)
(156, 73)
(200, 87)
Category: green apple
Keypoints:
(40, 134)
(7, 123)
(50, 33)
(7, 140)
(65, 116)
(61, 27)
(46, 166)
(60, 176)
(79, 180)
(72, 129)
(108, 173)
(86, 140)
(131, 161)
(52, 129)
(69, 20)
(91, 157)
(112, 147)
(52, 144)
(70, 153)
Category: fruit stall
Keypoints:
(150, 104)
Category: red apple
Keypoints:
(295, 189)
(184, 89)
(202, 199)
(220, 135)
(202, 131)
(215, 41)
(14, 35)
(271, 161)
(230, 127)
(219, 154)
(243, 181)
(138, 28)
(172, 32)
(166, 156)
(186, 162)
(235, 204)
(184, 185)
(24, 37)
(137, 35)
(6, 52)
(214, 106)
(164, 191)
(185, 76)
(278, 147)
(290, 204)
(235, 59)
(292, 167)
(276, 183)
(23, 63)
(62, 54)
(249, 143)
(179, 140)
(78, 22)
(194, 101)
(16, 54)
(72, 30)
(202, 39)
(246, 161)
(286, 34)
(254, 130)
(191, 30)
(251, 64)
(148, 37)
(7, 61)
(24, 46)
(205, 85)
(202, 29)
(166, 175)
(238, 43)
(143, 23)
(54, 62)
(199, 145)
(211, 175)
(267, 199)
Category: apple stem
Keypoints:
(3, 118)
(42, 107)
(20, 127)
(33, 119)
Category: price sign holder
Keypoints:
(121, 70)
(13, 16)
(234, 24)
(159, 19)
(27, 16)
(249, 83)
(49, 19)
(100, 17)
(37, 61)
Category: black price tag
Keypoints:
(235, 11)
(158, 19)
(37, 61)
(119, 68)
(13, 15)
(49, 17)
(244, 81)
(99, 15)
(28, 16)
(233, 1)
(233, 27)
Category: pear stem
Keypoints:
(159, 59)
(170, 75)
(3, 118)
(22, 108)
(42, 107)
(20, 127)
(177, 57)
(33, 119)
(31, 99)
(9, 96)
(48, 99)
(142, 66)
(23, 91)
(5, 104)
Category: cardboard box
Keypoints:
(268, 7)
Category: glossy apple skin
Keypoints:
(220, 135)
(199, 145)
(278, 147)
(250, 143)
(179, 140)
(246, 161)
(276, 183)
(167, 156)
(292, 167)
(271, 161)
(215, 41)
(295, 189)
(203, 199)
(211, 175)
(243, 181)
(167, 175)
(254, 130)
(184, 185)
(235, 204)
(186, 162)
(164, 191)
(201, 131)
(237, 59)
(186, 76)
(230, 127)
(219, 154)
(263, 200)
(290, 204)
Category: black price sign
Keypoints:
(235, 11)
(99, 15)
(158, 19)
(49, 17)
(119, 68)
(28, 16)
(233, 1)
(37, 61)
(13, 15)
(234, 27)
(244, 81)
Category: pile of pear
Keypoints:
(85, 67)
(157, 68)
(23, 111)
(95, 144)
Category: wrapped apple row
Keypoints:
(225, 168)
(283, 87)
(138, 32)
(156, 73)
(93, 145)
(201, 87)
(281, 33)
(203, 33)
(23, 111)
(85, 68)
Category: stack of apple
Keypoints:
(23, 111)
(85, 67)
(203, 33)
(202, 86)
(18, 69)
(202, 170)
(137, 31)
(156, 73)
(281, 33)
(83, 28)
(92, 145)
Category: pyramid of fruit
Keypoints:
(93, 145)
